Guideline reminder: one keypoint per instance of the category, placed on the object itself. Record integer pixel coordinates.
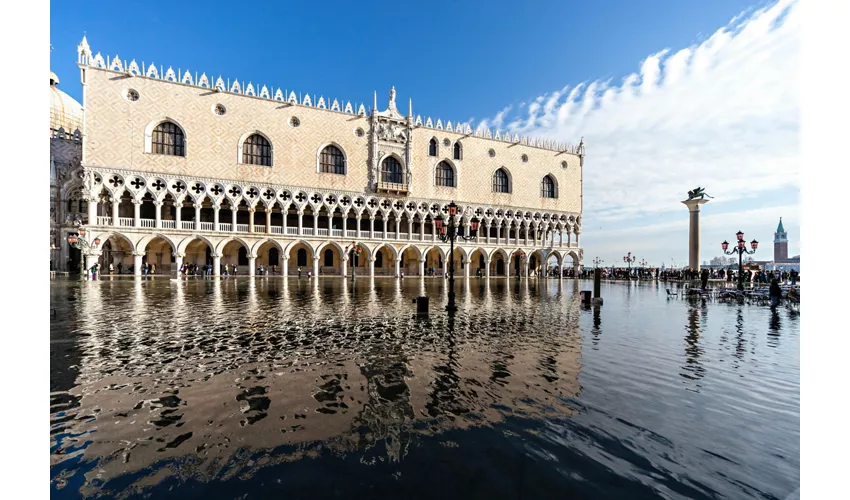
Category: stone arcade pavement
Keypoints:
(378, 257)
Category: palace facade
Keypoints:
(177, 167)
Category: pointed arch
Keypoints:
(181, 247)
(433, 147)
(219, 249)
(143, 243)
(457, 151)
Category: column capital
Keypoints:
(198, 205)
(136, 201)
(252, 256)
(216, 255)
(178, 255)
(139, 254)
(159, 203)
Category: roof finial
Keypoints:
(410, 107)
(375, 104)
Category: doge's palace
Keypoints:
(180, 168)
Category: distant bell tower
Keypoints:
(780, 243)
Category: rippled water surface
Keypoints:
(316, 389)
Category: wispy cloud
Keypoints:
(723, 113)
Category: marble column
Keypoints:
(466, 264)
(316, 265)
(178, 262)
(92, 209)
(252, 264)
(372, 267)
(115, 213)
(693, 234)
(137, 211)
(300, 223)
(216, 264)
(137, 263)
(422, 267)
(398, 266)
(487, 268)
(268, 220)
(158, 206)
(216, 208)
(371, 227)
(251, 221)
(344, 266)
(234, 211)
(197, 216)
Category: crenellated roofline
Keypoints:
(186, 77)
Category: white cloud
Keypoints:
(723, 114)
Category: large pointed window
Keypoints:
(391, 171)
(432, 147)
(500, 182)
(458, 151)
(445, 175)
(332, 161)
(257, 150)
(547, 187)
(167, 139)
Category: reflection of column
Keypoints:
(693, 235)
(137, 263)
(216, 264)
(316, 265)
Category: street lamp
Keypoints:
(629, 259)
(740, 249)
(79, 241)
(354, 247)
(597, 261)
(447, 231)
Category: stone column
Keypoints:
(409, 229)
(357, 219)
(178, 212)
(284, 267)
(316, 225)
(137, 263)
(525, 266)
(284, 212)
(466, 268)
(386, 225)
(344, 266)
(422, 267)
(92, 208)
(398, 266)
(300, 223)
(137, 211)
(158, 206)
(115, 204)
(433, 231)
(91, 260)
(487, 240)
(561, 238)
(487, 267)
(216, 264)
(316, 264)
(372, 227)
(578, 232)
(252, 263)
(178, 262)
(372, 267)
(216, 208)
(268, 220)
(197, 216)
(421, 229)
(234, 211)
(251, 221)
(693, 235)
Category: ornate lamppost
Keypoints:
(355, 248)
(597, 261)
(447, 231)
(629, 259)
(79, 241)
(643, 263)
(740, 249)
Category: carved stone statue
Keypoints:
(699, 192)
(392, 99)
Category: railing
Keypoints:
(104, 221)
(259, 229)
(292, 230)
(322, 232)
(392, 186)
(350, 234)
(225, 227)
(187, 224)
(390, 236)
(417, 237)
(168, 224)
(125, 221)
(307, 231)
(336, 232)
(277, 229)
(241, 228)
(147, 222)
(207, 226)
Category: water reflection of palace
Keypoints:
(220, 392)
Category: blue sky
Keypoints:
(719, 116)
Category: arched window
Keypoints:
(500, 181)
(329, 258)
(257, 150)
(547, 187)
(458, 150)
(302, 257)
(379, 259)
(167, 139)
(432, 147)
(391, 171)
(445, 175)
(332, 161)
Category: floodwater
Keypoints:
(265, 387)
